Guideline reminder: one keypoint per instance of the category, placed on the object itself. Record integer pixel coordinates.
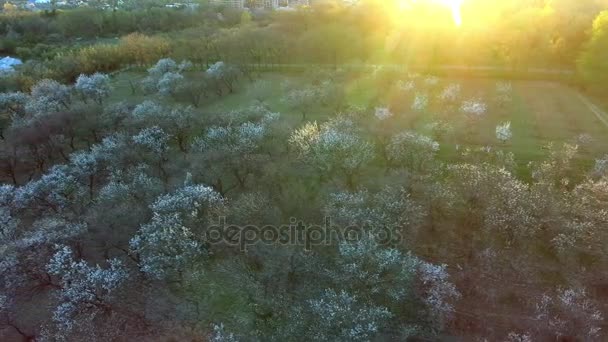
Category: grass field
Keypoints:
(540, 112)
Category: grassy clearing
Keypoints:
(540, 112)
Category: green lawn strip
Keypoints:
(527, 143)
(540, 113)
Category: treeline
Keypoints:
(593, 62)
(133, 49)
(40, 34)
(518, 36)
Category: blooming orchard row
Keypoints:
(107, 216)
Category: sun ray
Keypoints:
(453, 5)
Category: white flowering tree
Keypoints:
(13, 103)
(421, 102)
(165, 247)
(165, 77)
(122, 204)
(558, 169)
(584, 212)
(437, 292)
(255, 112)
(503, 132)
(173, 240)
(220, 334)
(95, 87)
(600, 168)
(489, 155)
(26, 243)
(368, 269)
(85, 165)
(243, 138)
(26, 246)
(568, 312)
(154, 142)
(302, 100)
(333, 148)
(50, 230)
(89, 167)
(234, 150)
(473, 109)
(153, 139)
(383, 113)
(181, 125)
(387, 280)
(224, 75)
(134, 184)
(521, 337)
(406, 86)
(163, 66)
(390, 214)
(48, 96)
(505, 204)
(197, 202)
(179, 122)
(55, 192)
(450, 94)
(147, 111)
(169, 83)
(86, 292)
(340, 316)
(112, 151)
(411, 150)
(381, 128)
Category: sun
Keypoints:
(453, 5)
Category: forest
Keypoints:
(362, 171)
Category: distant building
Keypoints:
(268, 4)
(183, 5)
(231, 3)
(295, 3)
(271, 4)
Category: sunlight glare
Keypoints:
(454, 6)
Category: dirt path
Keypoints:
(600, 114)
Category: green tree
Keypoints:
(593, 61)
